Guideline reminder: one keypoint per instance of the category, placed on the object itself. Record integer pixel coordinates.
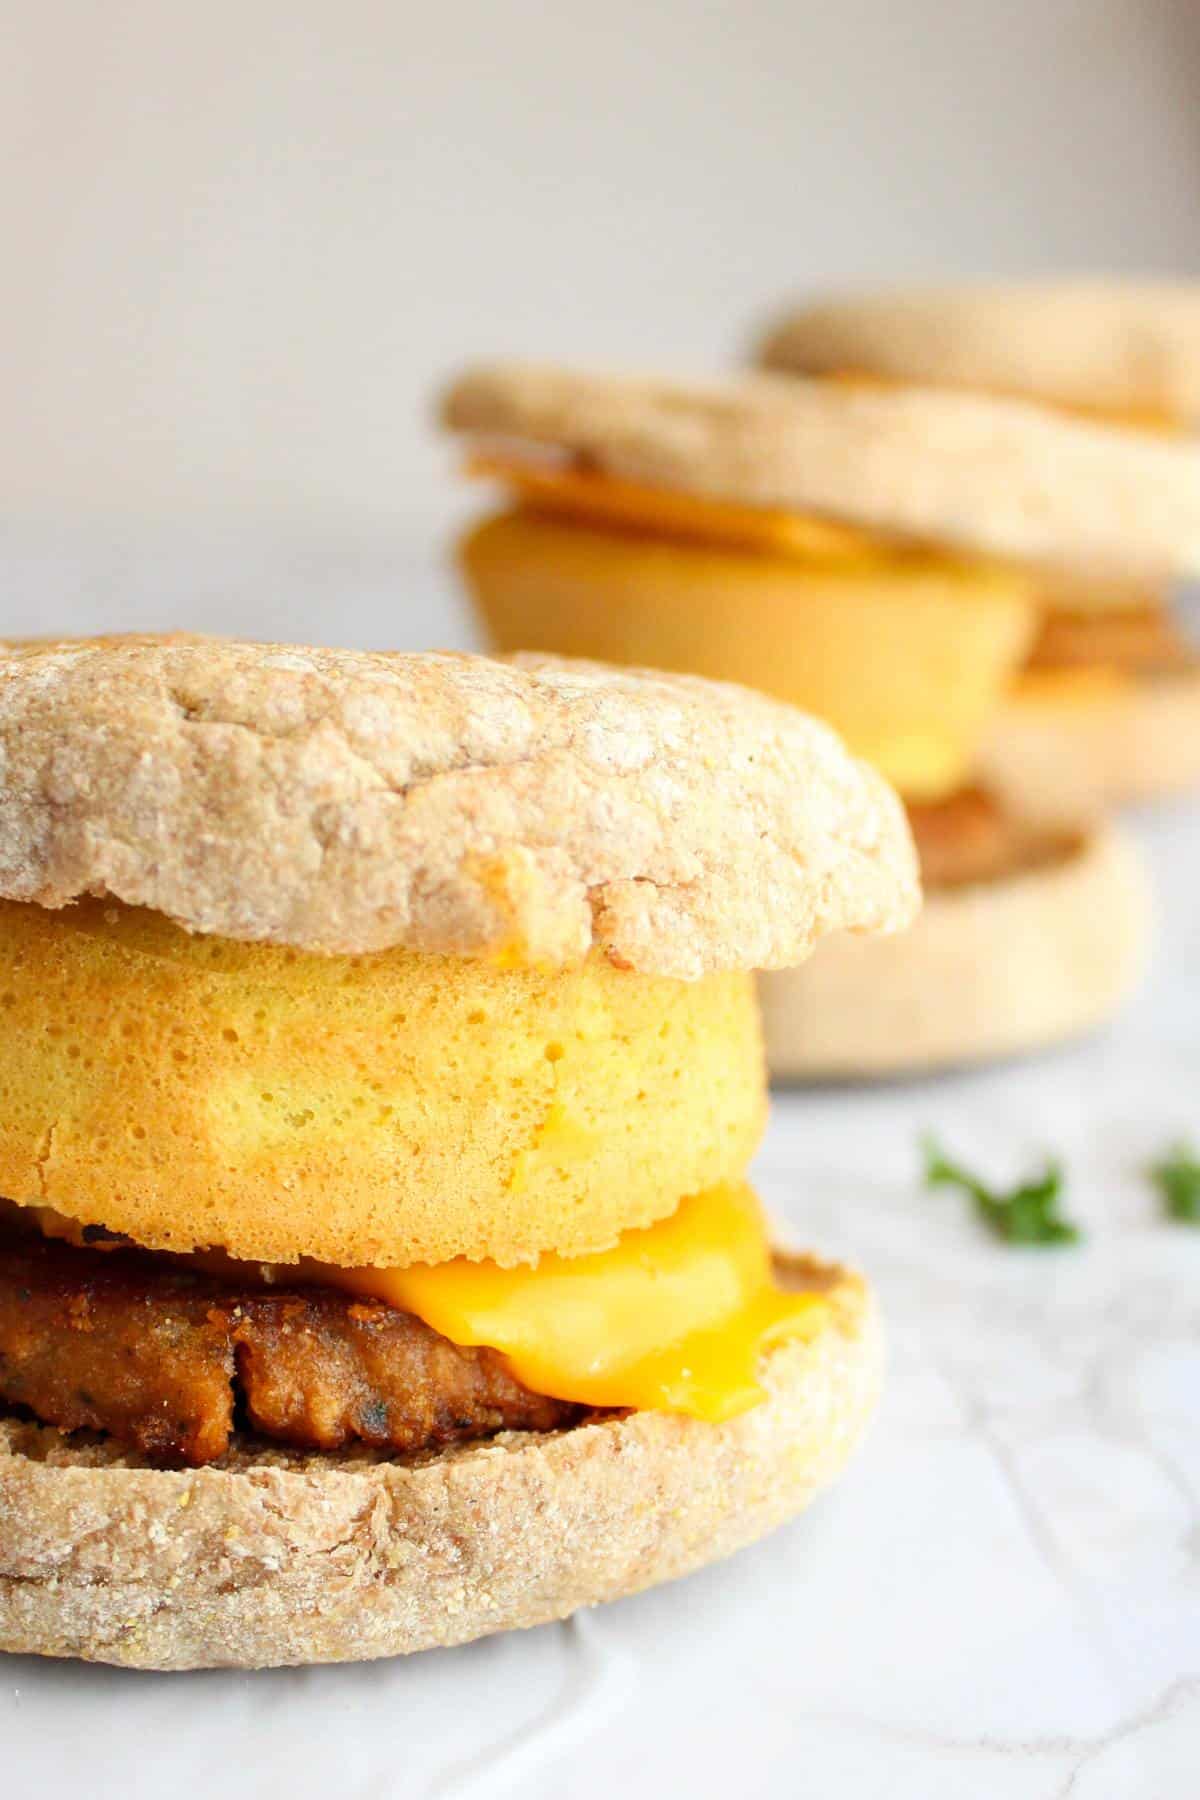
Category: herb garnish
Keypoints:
(1028, 1214)
(1177, 1178)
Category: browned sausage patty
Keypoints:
(170, 1360)
(1140, 640)
(971, 837)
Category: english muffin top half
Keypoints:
(385, 959)
(1123, 349)
(983, 475)
(875, 554)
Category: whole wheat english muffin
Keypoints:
(380, 1070)
(340, 800)
(967, 471)
(1102, 345)
(1117, 740)
(860, 550)
(1098, 726)
(991, 969)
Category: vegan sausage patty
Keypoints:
(972, 837)
(172, 1360)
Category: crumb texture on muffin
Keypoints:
(346, 801)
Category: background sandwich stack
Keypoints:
(1107, 707)
(879, 553)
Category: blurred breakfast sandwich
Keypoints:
(861, 552)
(1107, 708)
(381, 1067)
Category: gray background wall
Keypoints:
(243, 240)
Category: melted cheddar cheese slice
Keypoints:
(601, 499)
(673, 1318)
(1080, 687)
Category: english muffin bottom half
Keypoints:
(380, 1072)
(865, 552)
(1107, 709)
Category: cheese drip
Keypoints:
(592, 498)
(673, 1318)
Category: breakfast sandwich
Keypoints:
(381, 1067)
(1107, 706)
(860, 552)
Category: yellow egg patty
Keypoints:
(385, 1109)
(906, 654)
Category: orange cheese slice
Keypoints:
(600, 499)
(1077, 687)
(673, 1318)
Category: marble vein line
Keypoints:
(1038, 1532)
(1180, 1694)
(598, 1681)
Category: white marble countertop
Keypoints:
(1000, 1600)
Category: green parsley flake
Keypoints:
(1177, 1178)
(1028, 1214)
